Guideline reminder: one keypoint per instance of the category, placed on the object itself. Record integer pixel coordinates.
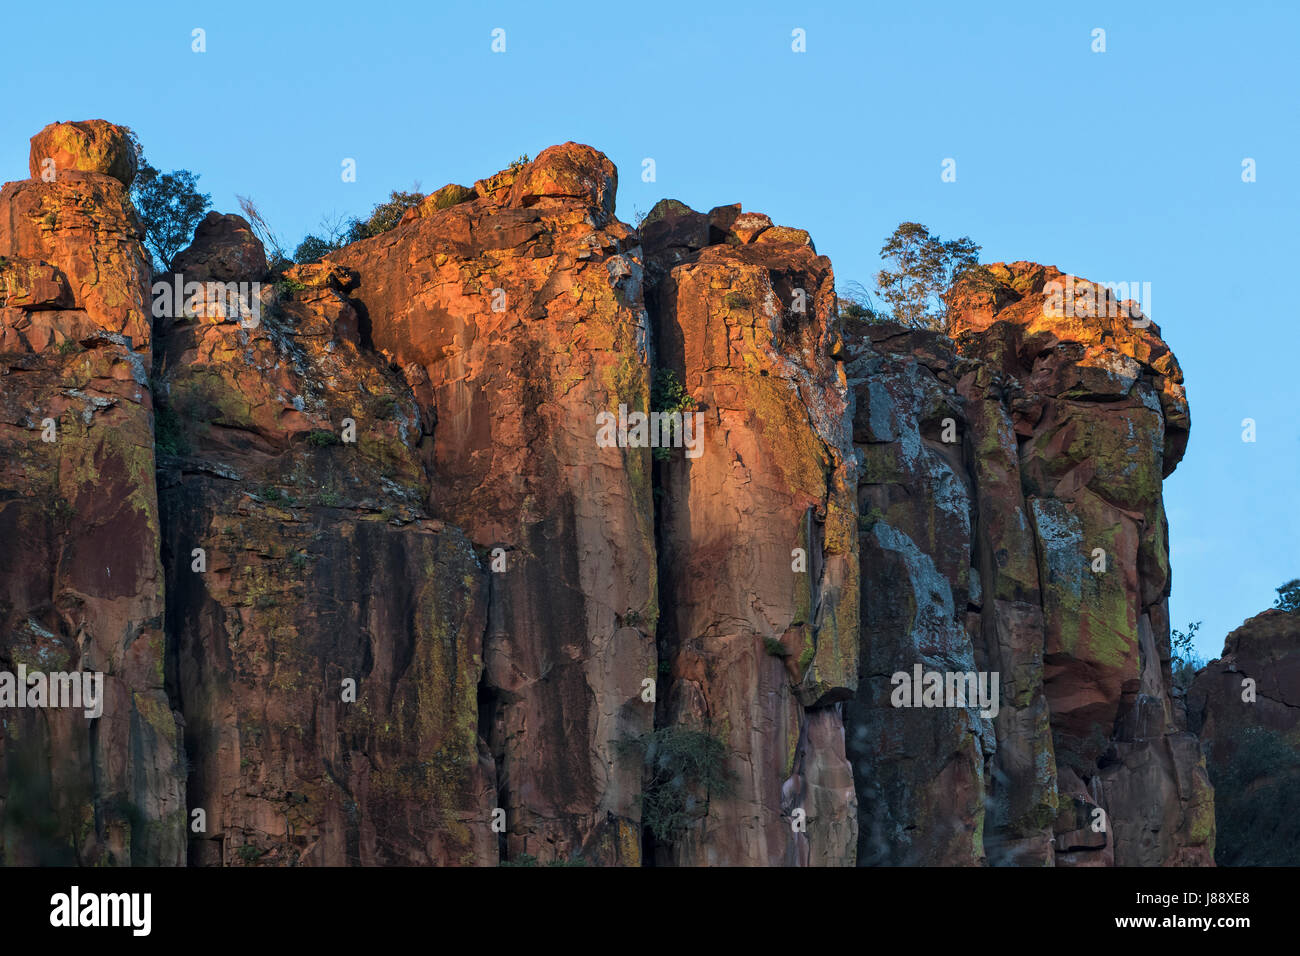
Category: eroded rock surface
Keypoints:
(81, 584)
(369, 587)
(516, 317)
(1012, 522)
(758, 568)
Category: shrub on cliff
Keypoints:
(667, 394)
(1183, 659)
(277, 259)
(1257, 802)
(335, 233)
(855, 305)
(685, 769)
(1288, 597)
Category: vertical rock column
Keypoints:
(758, 564)
(920, 772)
(81, 587)
(328, 635)
(1100, 418)
(516, 312)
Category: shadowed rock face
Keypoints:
(319, 568)
(370, 588)
(1245, 705)
(1029, 540)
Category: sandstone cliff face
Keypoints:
(1245, 705)
(759, 574)
(81, 584)
(517, 315)
(370, 589)
(298, 561)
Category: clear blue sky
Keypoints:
(1123, 165)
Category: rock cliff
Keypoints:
(517, 534)
(1245, 705)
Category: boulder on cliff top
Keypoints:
(89, 146)
(224, 249)
(567, 171)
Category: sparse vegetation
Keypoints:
(775, 647)
(856, 305)
(170, 207)
(1183, 659)
(277, 259)
(921, 271)
(320, 438)
(1257, 801)
(169, 433)
(1288, 597)
(334, 230)
(685, 769)
(868, 520)
(667, 394)
(386, 215)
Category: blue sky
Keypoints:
(1123, 165)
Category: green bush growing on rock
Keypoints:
(668, 394)
(1288, 597)
(169, 435)
(1257, 802)
(386, 215)
(686, 768)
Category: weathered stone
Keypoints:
(224, 249)
(89, 146)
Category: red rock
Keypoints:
(224, 249)
(89, 146)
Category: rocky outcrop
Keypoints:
(1012, 523)
(81, 583)
(327, 637)
(758, 571)
(90, 146)
(1245, 705)
(514, 534)
(516, 318)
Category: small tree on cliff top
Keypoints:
(922, 269)
(170, 207)
(1288, 597)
